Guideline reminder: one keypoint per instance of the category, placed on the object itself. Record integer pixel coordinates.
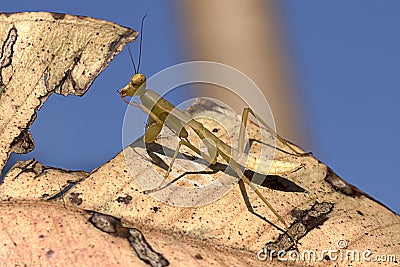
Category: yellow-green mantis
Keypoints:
(162, 112)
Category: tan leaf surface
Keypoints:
(47, 181)
(44, 234)
(321, 207)
(45, 53)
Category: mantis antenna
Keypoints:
(140, 49)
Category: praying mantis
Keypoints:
(162, 112)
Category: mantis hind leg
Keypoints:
(245, 118)
(237, 168)
(280, 218)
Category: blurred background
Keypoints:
(329, 70)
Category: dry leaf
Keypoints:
(105, 218)
(48, 181)
(45, 53)
(324, 211)
(44, 234)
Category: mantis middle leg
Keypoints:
(211, 157)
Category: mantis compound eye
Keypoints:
(138, 80)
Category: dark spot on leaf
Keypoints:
(57, 16)
(77, 59)
(341, 185)
(23, 143)
(143, 249)
(124, 200)
(198, 257)
(113, 226)
(75, 199)
(50, 253)
(112, 45)
(345, 188)
(7, 54)
(306, 221)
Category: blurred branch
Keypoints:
(247, 36)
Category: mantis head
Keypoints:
(136, 86)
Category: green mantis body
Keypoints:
(162, 112)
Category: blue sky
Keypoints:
(347, 63)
